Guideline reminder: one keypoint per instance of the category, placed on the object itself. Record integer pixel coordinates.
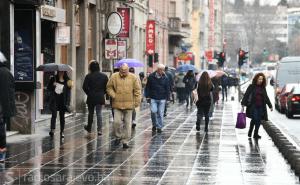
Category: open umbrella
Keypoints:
(54, 67)
(212, 74)
(130, 61)
(186, 68)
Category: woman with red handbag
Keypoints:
(255, 99)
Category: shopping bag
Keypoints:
(195, 96)
(241, 120)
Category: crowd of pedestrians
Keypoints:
(126, 91)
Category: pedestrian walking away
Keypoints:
(224, 85)
(94, 86)
(7, 102)
(190, 84)
(204, 89)
(180, 87)
(157, 90)
(125, 90)
(135, 110)
(60, 93)
(256, 99)
(171, 84)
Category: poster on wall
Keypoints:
(125, 14)
(63, 35)
(122, 49)
(111, 49)
(23, 46)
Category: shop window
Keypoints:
(49, 2)
(77, 28)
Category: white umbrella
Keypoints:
(2, 57)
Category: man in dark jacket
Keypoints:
(94, 86)
(7, 102)
(157, 89)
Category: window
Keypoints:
(172, 9)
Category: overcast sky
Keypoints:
(263, 2)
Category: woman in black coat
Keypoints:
(204, 89)
(7, 104)
(190, 84)
(60, 93)
(94, 86)
(255, 99)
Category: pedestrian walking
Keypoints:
(125, 90)
(157, 90)
(180, 87)
(224, 85)
(94, 86)
(256, 99)
(204, 89)
(135, 110)
(190, 84)
(171, 87)
(60, 93)
(7, 102)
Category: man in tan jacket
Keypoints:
(125, 90)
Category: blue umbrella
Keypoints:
(130, 61)
(186, 68)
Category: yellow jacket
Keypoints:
(125, 92)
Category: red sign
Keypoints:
(150, 37)
(111, 49)
(125, 14)
(209, 55)
(122, 49)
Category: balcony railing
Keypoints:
(175, 24)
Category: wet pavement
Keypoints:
(179, 155)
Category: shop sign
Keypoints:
(122, 49)
(150, 37)
(114, 23)
(53, 14)
(111, 49)
(63, 35)
(209, 55)
(125, 14)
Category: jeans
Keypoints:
(122, 131)
(189, 98)
(91, 116)
(61, 120)
(157, 112)
(256, 120)
(2, 134)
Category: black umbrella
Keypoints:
(54, 67)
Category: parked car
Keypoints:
(288, 71)
(282, 96)
(293, 102)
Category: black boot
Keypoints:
(256, 136)
(206, 127)
(250, 128)
(198, 126)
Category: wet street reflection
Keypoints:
(178, 155)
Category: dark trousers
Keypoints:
(189, 99)
(2, 134)
(224, 93)
(256, 120)
(202, 110)
(61, 120)
(91, 116)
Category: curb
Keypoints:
(290, 152)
